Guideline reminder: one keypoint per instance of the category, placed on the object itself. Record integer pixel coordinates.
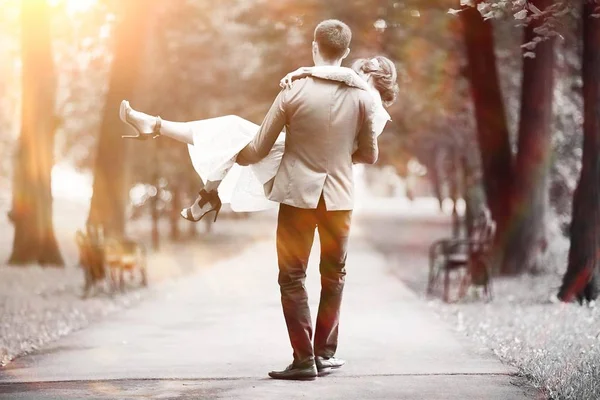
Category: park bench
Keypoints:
(107, 260)
(91, 257)
(469, 256)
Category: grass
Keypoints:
(554, 345)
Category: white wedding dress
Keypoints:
(217, 141)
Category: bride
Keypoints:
(215, 143)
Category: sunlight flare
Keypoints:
(74, 6)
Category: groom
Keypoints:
(314, 186)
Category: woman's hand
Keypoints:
(287, 80)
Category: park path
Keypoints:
(216, 334)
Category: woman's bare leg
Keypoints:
(179, 131)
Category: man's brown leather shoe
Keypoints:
(326, 365)
(295, 373)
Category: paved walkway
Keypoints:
(216, 334)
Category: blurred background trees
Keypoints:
(491, 101)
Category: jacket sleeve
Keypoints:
(268, 133)
(367, 151)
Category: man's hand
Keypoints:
(287, 80)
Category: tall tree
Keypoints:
(492, 130)
(526, 240)
(109, 198)
(34, 239)
(583, 273)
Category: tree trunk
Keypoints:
(454, 191)
(192, 230)
(155, 232)
(109, 199)
(492, 130)
(154, 201)
(434, 174)
(34, 239)
(174, 213)
(526, 240)
(155, 214)
(193, 190)
(582, 276)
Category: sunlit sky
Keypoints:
(70, 184)
(74, 6)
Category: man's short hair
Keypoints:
(333, 38)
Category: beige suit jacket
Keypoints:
(328, 129)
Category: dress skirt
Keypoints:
(217, 142)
